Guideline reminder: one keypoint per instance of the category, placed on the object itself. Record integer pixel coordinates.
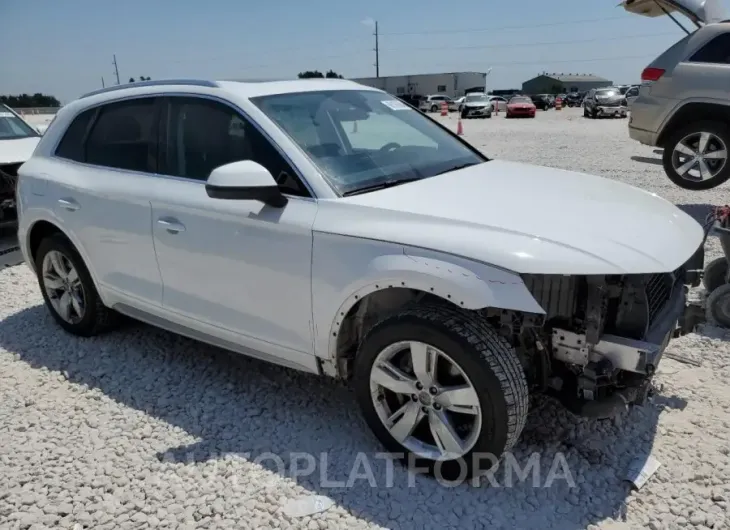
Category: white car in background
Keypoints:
(18, 140)
(258, 218)
(498, 103)
(455, 104)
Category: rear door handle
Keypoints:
(172, 225)
(69, 204)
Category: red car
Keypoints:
(521, 106)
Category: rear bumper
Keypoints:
(642, 136)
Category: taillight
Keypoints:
(652, 74)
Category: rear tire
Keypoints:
(715, 274)
(718, 306)
(434, 108)
(81, 312)
(486, 365)
(720, 131)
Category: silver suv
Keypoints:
(683, 105)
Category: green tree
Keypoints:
(310, 74)
(24, 101)
(331, 74)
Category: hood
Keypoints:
(19, 150)
(524, 218)
(698, 11)
(476, 104)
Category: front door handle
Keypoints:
(69, 204)
(173, 226)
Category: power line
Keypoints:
(361, 52)
(501, 28)
(524, 44)
(527, 63)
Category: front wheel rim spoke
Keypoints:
(720, 154)
(462, 399)
(685, 150)
(684, 168)
(404, 421)
(424, 363)
(52, 281)
(705, 172)
(702, 145)
(57, 265)
(77, 304)
(444, 435)
(389, 377)
(64, 306)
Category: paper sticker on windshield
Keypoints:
(6, 115)
(394, 104)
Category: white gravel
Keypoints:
(143, 429)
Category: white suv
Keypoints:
(334, 229)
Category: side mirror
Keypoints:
(245, 180)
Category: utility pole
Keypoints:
(116, 68)
(377, 51)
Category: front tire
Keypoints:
(68, 289)
(696, 156)
(434, 108)
(442, 389)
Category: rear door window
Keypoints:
(125, 136)
(717, 51)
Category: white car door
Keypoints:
(103, 201)
(239, 266)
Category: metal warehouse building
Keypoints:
(453, 84)
(547, 83)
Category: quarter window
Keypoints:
(202, 135)
(125, 136)
(71, 145)
(717, 51)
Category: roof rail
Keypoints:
(162, 82)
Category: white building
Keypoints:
(453, 84)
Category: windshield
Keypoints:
(607, 93)
(476, 97)
(360, 139)
(520, 99)
(12, 127)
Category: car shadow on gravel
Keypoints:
(572, 469)
(647, 160)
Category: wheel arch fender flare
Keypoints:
(25, 243)
(469, 285)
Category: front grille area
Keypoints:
(658, 291)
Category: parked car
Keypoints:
(574, 99)
(631, 94)
(18, 139)
(541, 101)
(604, 102)
(520, 106)
(255, 217)
(413, 100)
(433, 103)
(476, 106)
(683, 105)
(498, 103)
(455, 104)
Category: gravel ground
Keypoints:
(141, 429)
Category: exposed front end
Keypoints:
(602, 337)
(8, 185)
(473, 111)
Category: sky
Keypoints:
(65, 48)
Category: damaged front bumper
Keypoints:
(635, 360)
(612, 111)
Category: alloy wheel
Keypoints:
(699, 156)
(425, 400)
(63, 287)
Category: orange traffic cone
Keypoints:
(459, 128)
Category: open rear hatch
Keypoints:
(698, 11)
